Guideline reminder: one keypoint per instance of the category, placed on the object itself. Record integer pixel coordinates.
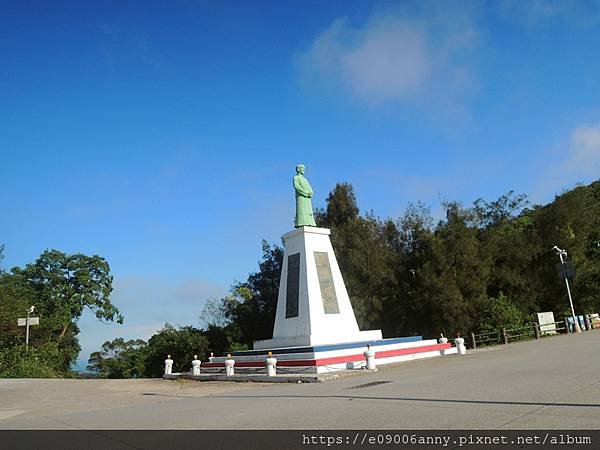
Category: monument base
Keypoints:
(311, 340)
(315, 330)
(332, 357)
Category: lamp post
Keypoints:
(561, 254)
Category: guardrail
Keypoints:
(526, 332)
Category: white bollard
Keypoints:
(168, 365)
(196, 366)
(460, 345)
(370, 357)
(442, 340)
(229, 363)
(271, 364)
(210, 358)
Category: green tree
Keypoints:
(119, 359)
(66, 284)
(418, 273)
(568, 222)
(342, 207)
(45, 360)
(16, 296)
(500, 313)
(253, 303)
(464, 272)
(364, 248)
(223, 339)
(182, 344)
(500, 211)
(587, 288)
(511, 244)
(60, 286)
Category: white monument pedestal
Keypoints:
(313, 307)
(315, 329)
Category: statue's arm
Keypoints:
(302, 187)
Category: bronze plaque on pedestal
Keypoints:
(330, 304)
(293, 286)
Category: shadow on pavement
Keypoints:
(398, 399)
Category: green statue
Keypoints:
(304, 193)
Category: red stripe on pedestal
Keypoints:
(338, 359)
(410, 351)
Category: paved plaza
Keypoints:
(553, 383)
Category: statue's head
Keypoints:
(300, 168)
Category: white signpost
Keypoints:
(22, 321)
(546, 322)
(27, 322)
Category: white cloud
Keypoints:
(572, 160)
(196, 291)
(535, 12)
(394, 57)
(534, 9)
(584, 151)
(156, 299)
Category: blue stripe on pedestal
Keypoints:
(328, 347)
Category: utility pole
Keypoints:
(561, 254)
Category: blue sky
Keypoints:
(163, 135)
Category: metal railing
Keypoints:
(485, 339)
(526, 332)
(518, 333)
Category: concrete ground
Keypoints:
(553, 383)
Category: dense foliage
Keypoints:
(60, 286)
(181, 344)
(119, 359)
(137, 358)
(480, 268)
